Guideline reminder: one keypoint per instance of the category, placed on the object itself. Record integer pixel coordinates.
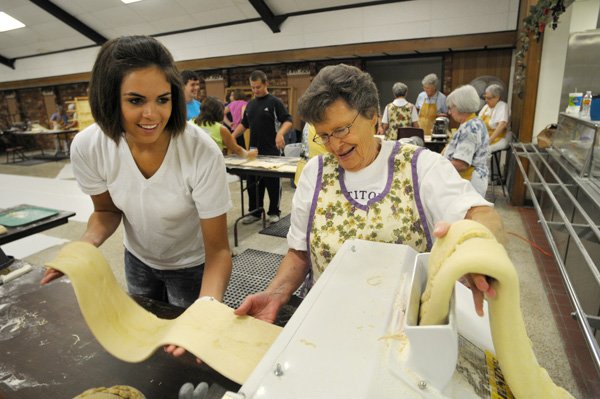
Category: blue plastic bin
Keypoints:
(595, 108)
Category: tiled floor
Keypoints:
(581, 362)
(548, 336)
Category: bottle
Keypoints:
(586, 104)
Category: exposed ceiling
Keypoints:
(54, 26)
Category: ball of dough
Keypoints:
(3, 230)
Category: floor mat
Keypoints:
(252, 271)
(279, 229)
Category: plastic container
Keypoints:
(595, 109)
(574, 103)
(586, 105)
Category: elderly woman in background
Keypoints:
(398, 113)
(364, 188)
(468, 150)
(431, 103)
(495, 116)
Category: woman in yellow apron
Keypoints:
(468, 150)
(495, 116)
(430, 103)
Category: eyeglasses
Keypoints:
(339, 133)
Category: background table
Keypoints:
(14, 233)
(61, 135)
(242, 170)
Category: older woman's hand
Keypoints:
(263, 306)
(478, 283)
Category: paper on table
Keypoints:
(265, 165)
(287, 168)
(235, 161)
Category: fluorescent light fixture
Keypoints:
(9, 23)
(130, 1)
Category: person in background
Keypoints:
(165, 179)
(209, 120)
(398, 113)
(359, 187)
(236, 107)
(268, 121)
(191, 85)
(59, 119)
(495, 115)
(431, 103)
(468, 149)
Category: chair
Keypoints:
(495, 170)
(406, 132)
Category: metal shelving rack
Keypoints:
(568, 204)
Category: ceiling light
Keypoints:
(9, 23)
(130, 1)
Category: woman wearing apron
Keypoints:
(495, 116)
(431, 103)
(468, 150)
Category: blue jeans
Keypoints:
(179, 287)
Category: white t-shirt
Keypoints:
(444, 194)
(498, 114)
(161, 215)
(399, 102)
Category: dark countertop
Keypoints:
(48, 351)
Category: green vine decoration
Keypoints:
(541, 15)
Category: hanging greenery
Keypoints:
(544, 13)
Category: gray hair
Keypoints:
(494, 90)
(465, 99)
(335, 82)
(430, 80)
(399, 89)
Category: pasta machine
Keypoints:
(355, 335)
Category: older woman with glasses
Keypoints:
(365, 188)
(495, 116)
(468, 150)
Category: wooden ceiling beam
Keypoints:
(70, 20)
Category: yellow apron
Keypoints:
(427, 115)
(313, 149)
(486, 119)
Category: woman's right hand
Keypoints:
(252, 153)
(51, 274)
(263, 306)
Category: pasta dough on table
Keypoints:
(469, 247)
(230, 344)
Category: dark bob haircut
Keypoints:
(211, 111)
(335, 82)
(117, 58)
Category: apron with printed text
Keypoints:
(394, 216)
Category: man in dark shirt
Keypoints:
(269, 121)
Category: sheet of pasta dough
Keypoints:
(230, 344)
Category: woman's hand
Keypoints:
(178, 351)
(51, 274)
(264, 306)
(478, 284)
(252, 153)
